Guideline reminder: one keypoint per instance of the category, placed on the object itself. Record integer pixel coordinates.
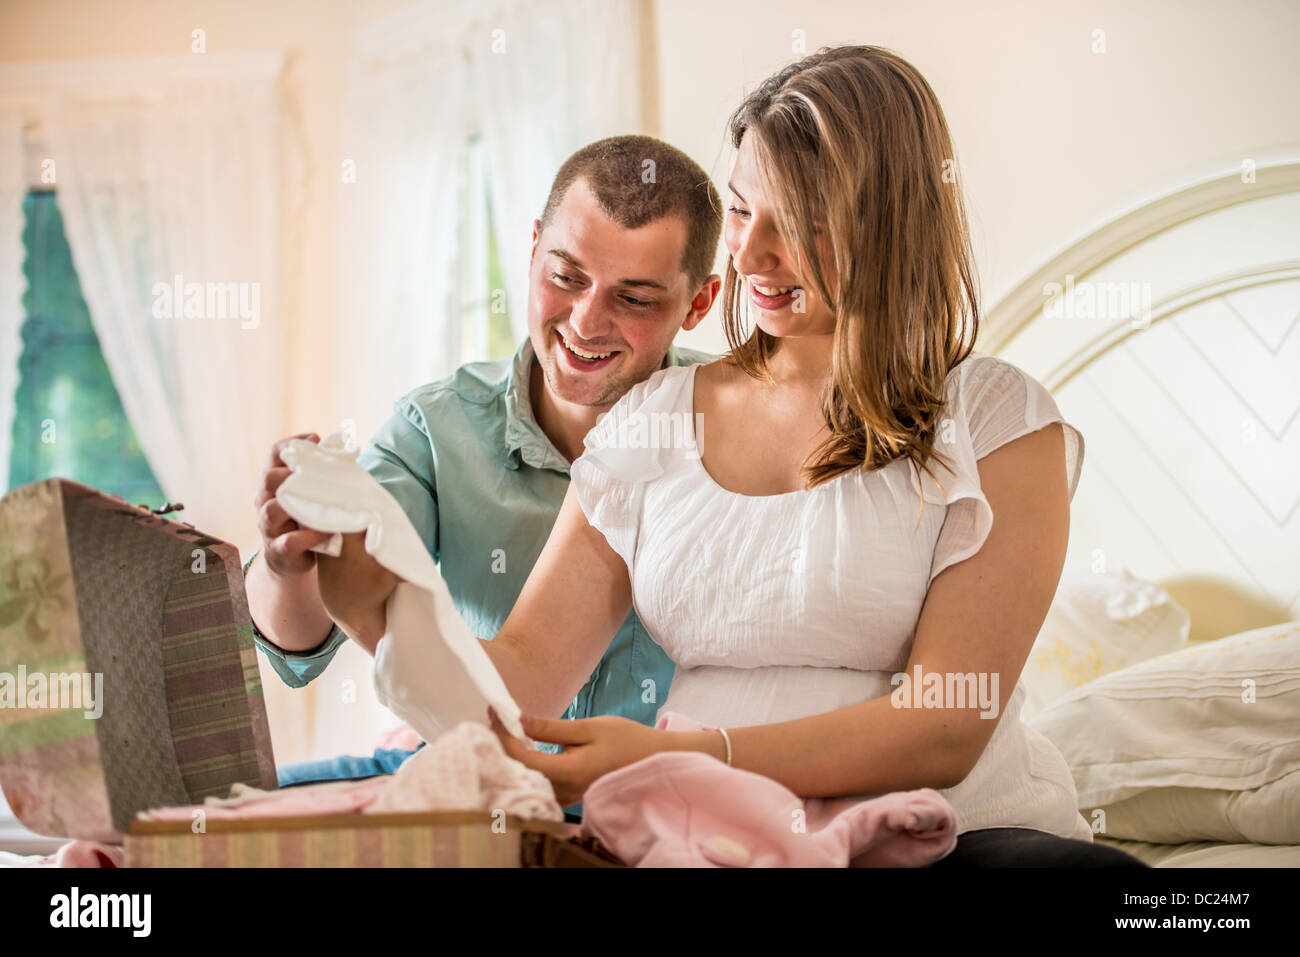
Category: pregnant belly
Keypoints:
(735, 697)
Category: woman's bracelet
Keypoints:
(726, 738)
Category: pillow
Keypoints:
(1098, 624)
(1263, 815)
(1206, 737)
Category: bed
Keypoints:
(1169, 337)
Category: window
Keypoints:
(68, 417)
(485, 315)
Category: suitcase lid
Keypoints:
(128, 673)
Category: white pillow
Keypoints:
(1098, 624)
(1263, 815)
(1221, 715)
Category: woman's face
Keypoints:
(784, 300)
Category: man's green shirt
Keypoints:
(482, 484)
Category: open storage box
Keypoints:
(435, 839)
(129, 681)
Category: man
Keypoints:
(622, 259)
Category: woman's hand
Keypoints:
(354, 589)
(592, 747)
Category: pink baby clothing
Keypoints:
(688, 809)
(79, 853)
(335, 797)
(403, 737)
(466, 769)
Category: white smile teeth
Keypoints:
(774, 290)
(584, 355)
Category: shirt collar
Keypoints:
(525, 440)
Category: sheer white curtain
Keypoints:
(396, 315)
(181, 174)
(557, 76)
(535, 81)
(13, 186)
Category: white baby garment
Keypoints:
(430, 670)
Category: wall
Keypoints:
(1052, 139)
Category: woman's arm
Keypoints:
(354, 589)
(981, 615)
(573, 603)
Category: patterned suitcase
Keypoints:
(129, 681)
(128, 674)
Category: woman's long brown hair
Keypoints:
(852, 140)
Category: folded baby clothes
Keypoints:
(466, 769)
(429, 670)
(331, 797)
(688, 809)
(72, 854)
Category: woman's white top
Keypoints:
(778, 607)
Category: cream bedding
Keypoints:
(1208, 853)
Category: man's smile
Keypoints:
(582, 358)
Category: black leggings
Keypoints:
(1023, 847)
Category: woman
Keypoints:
(867, 498)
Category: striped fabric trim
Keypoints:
(206, 685)
(260, 726)
(471, 845)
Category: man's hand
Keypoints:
(351, 589)
(286, 546)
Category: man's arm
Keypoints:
(284, 581)
(296, 669)
(288, 611)
(283, 597)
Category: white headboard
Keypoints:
(1170, 338)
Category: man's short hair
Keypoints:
(639, 179)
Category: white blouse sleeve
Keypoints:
(611, 475)
(991, 403)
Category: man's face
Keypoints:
(615, 295)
